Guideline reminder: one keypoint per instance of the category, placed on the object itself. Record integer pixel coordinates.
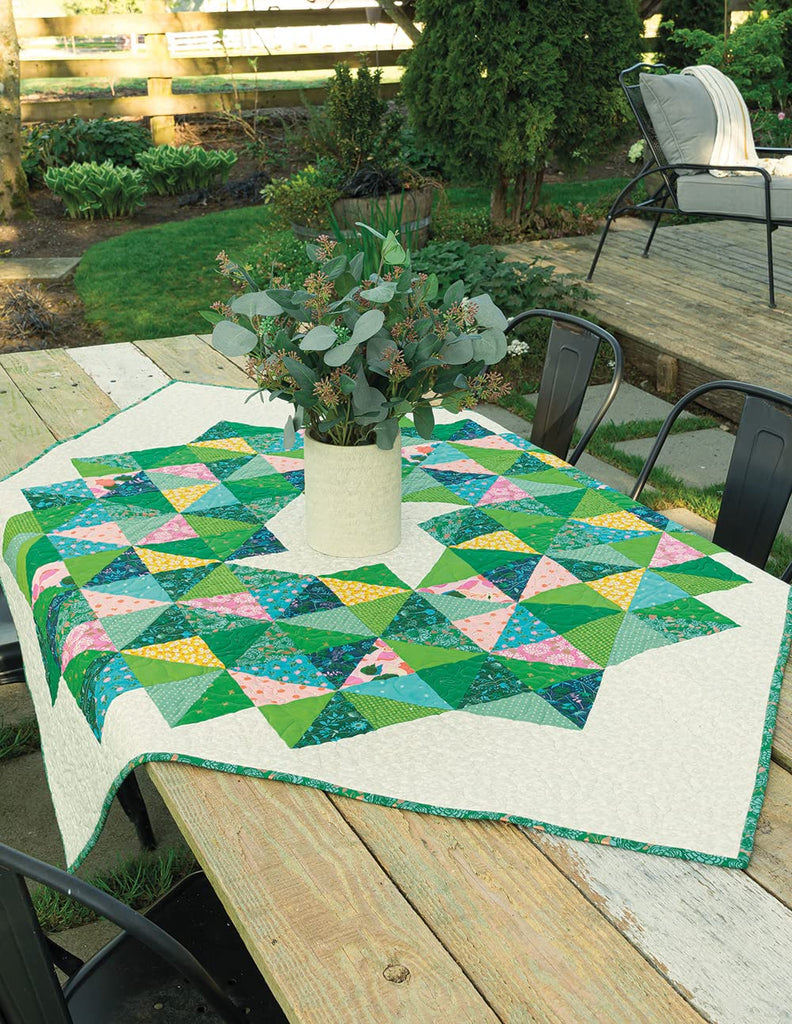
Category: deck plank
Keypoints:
(186, 358)
(24, 434)
(494, 899)
(279, 856)
(121, 371)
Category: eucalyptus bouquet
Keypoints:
(354, 354)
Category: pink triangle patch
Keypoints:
(493, 441)
(283, 464)
(460, 466)
(47, 576)
(263, 690)
(244, 605)
(192, 470)
(502, 490)
(88, 636)
(485, 629)
(105, 605)
(671, 551)
(100, 533)
(555, 651)
(175, 529)
(478, 588)
(547, 576)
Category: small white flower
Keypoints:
(636, 151)
(518, 348)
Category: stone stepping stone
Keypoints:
(37, 271)
(698, 458)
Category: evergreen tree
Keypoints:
(497, 90)
(703, 14)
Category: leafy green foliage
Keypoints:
(16, 740)
(497, 94)
(752, 56)
(354, 353)
(513, 285)
(171, 170)
(307, 196)
(97, 190)
(79, 141)
(706, 15)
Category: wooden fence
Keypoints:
(160, 68)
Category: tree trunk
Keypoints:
(500, 189)
(401, 18)
(13, 183)
(536, 177)
(518, 197)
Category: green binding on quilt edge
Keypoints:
(752, 818)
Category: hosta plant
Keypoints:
(171, 170)
(353, 354)
(97, 190)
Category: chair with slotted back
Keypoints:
(181, 963)
(759, 479)
(572, 349)
(12, 671)
(679, 125)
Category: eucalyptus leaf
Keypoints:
(387, 431)
(459, 351)
(256, 304)
(318, 339)
(346, 384)
(490, 346)
(392, 251)
(233, 339)
(211, 315)
(488, 314)
(289, 434)
(368, 401)
(334, 268)
(368, 227)
(375, 350)
(304, 375)
(341, 353)
(423, 417)
(431, 288)
(367, 325)
(311, 251)
(345, 284)
(380, 293)
(404, 283)
(356, 266)
(454, 294)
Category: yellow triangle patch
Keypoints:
(548, 459)
(621, 520)
(161, 561)
(352, 592)
(191, 650)
(500, 540)
(182, 497)
(619, 588)
(231, 444)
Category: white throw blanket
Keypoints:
(734, 144)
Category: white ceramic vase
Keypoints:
(352, 498)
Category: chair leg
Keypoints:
(770, 274)
(608, 221)
(655, 224)
(133, 805)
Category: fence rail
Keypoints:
(159, 67)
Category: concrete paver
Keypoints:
(699, 458)
(38, 271)
(630, 404)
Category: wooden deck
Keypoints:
(700, 299)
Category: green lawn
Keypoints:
(151, 283)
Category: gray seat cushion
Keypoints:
(739, 195)
(683, 117)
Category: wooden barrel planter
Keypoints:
(411, 209)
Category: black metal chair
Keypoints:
(759, 480)
(12, 671)
(664, 197)
(571, 351)
(140, 975)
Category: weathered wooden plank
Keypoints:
(313, 906)
(80, 25)
(539, 951)
(186, 358)
(714, 931)
(771, 862)
(63, 395)
(114, 68)
(124, 374)
(24, 434)
(782, 737)
(179, 103)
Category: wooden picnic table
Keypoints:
(361, 913)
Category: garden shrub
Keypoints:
(305, 197)
(171, 170)
(79, 141)
(93, 190)
(498, 94)
(706, 15)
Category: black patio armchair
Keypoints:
(679, 134)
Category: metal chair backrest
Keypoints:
(759, 479)
(571, 351)
(29, 989)
(632, 90)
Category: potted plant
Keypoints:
(354, 354)
(359, 174)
